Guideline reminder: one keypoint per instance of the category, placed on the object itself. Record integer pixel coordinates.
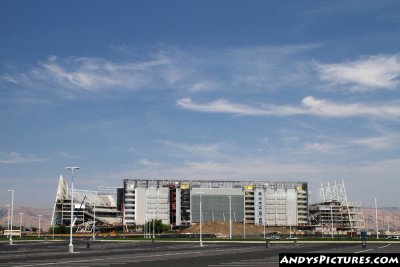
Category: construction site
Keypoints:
(236, 208)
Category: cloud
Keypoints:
(93, 74)
(309, 106)
(379, 142)
(193, 150)
(190, 70)
(148, 163)
(320, 147)
(15, 158)
(373, 72)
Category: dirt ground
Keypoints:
(222, 229)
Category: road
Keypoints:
(136, 253)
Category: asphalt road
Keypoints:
(136, 253)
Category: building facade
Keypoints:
(177, 202)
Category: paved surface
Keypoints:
(133, 253)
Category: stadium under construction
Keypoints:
(178, 203)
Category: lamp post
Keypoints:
(244, 213)
(39, 225)
(376, 219)
(201, 231)
(230, 217)
(72, 169)
(332, 221)
(20, 224)
(12, 215)
(94, 221)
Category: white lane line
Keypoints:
(363, 251)
(384, 246)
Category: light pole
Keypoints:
(244, 213)
(72, 169)
(376, 219)
(39, 225)
(230, 217)
(158, 199)
(20, 224)
(94, 221)
(201, 231)
(332, 221)
(264, 228)
(12, 214)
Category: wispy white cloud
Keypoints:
(16, 158)
(148, 163)
(92, 74)
(193, 71)
(378, 142)
(189, 150)
(320, 147)
(373, 72)
(309, 106)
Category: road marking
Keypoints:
(363, 251)
(384, 246)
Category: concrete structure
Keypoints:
(105, 199)
(176, 202)
(335, 212)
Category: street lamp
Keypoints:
(376, 219)
(230, 217)
(244, 213)
(12, 214)
(39, 225)
(94, 221)
(201, 230)
(20, 224)
(332, 221)
(72, 169)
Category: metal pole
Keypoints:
(20, 224)
(376, 219)
(388, 225)
(244, 214)
(39, 225)
(158, 199)
(332, 221)
(201, 215)
(145, 214)
(12, 215)
(71, 246)
(153, 219)
(264, 229)
(230, 217)
(94, 221)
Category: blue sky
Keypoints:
(276, 90)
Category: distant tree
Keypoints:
(59, 229)
(34, 229)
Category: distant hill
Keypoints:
(385, 215)
(30, 217)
